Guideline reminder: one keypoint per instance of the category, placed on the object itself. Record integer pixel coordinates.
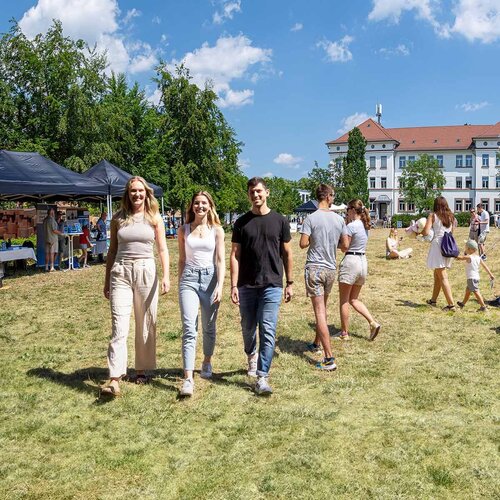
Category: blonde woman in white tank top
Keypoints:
(201, 278)
(131, 281)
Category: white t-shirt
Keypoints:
(484, 216)
(472, 267)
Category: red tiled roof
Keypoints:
(425, 138)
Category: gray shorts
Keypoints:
(52, 246)
(472, 285)
(319, 280)
(482, 237)
(353, 270)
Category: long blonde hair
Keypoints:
(151, 207)
(212, 217)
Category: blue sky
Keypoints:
(292, 74)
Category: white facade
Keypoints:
(472, 174)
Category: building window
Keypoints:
(372, 162)
(338, 163)
(401, 183)
(485, 182)
(468, 161)
(372, 204)
(383, 162)
(459, 161)
(497, 206)
(458, 205)
(468, 183)
(383, 182)
(486, 203)
(459, 182)
(468, 204)
(498, 160)
(402, 206)
(497, 181)
(372, 182)
(402, 161)
(411, 207)
(440, 160)
(411, 158)
(486, 160)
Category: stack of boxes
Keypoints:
(19, 223)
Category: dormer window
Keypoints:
(435, 141)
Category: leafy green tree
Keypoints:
(315, 177)
(193, 132)
(421, 181)
(283, 196)
(350, 176)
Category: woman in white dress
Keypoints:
(441, 221)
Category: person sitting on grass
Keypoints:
(392, 247)
(473, 262)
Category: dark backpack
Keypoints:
(449, 247)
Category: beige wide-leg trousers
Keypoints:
(133, 282)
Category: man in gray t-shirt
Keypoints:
(320, 234)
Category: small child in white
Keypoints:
(473, 262)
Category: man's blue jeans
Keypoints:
(260, 306)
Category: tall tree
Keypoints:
(315, 177)
(283, 196)
(350, 176)
(421, 181)
(196, 139)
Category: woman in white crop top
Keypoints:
(131, 281)
(201, 277)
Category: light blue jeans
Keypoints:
(196, 288)
(260, 306)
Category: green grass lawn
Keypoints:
(412, 415)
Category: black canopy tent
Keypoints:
(31, 176)
(115, 179)
(308, 206)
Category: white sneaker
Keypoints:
(206, 370)
(252, 365)
(262, 387)
(187, 388)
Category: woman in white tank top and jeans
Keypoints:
(201, 277)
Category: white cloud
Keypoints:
(288, 160)
(244, 163)
(228, 10)
(473, 106)
(393, 9)
(352, 121)
(156, 20)
(268, 174)
(228, 60)
(477, 19)
(97, 23)
(337, 51)
(297, 27)
(155, 97)
(473, 19)
(142, 62)
(400, 50)
(236, 98)
(130, 15)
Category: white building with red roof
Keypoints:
(468, 155)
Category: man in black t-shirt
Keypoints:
(260, 249)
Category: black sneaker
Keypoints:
(460, 304)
